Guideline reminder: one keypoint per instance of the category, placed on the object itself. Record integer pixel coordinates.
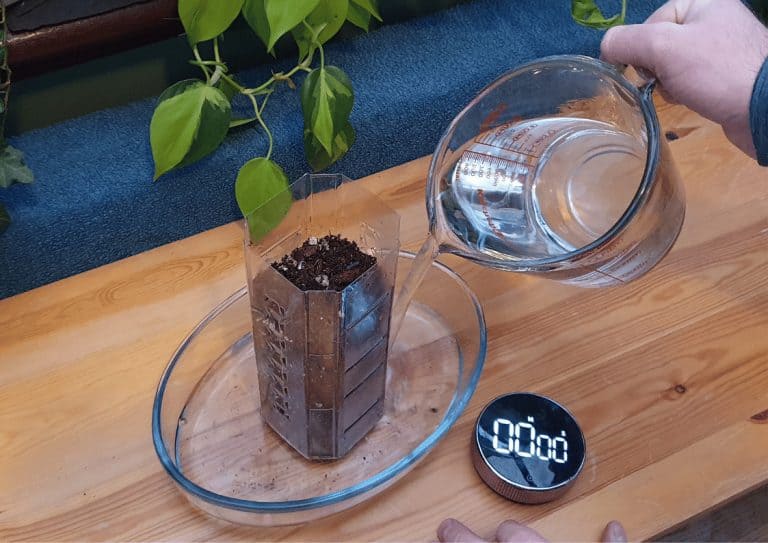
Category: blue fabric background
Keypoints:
(758, 115)
(94, 201)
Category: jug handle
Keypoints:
(647, 85)
(644, 80)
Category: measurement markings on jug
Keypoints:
(501, 170)
(518, 142)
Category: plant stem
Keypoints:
(280, 76)
(261, 122)
(623, 9)
(216, 54)
(220, 72)
(220, 66)
(201, 63)
(217, 73)
(315, 41)
(304, 66)
(207, 63)
(264, 102)
(234, 83)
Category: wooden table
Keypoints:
(668, 377)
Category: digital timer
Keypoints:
(527, 448)
(521, 439)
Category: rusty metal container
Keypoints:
(322, 355)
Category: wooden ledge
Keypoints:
(53, 47)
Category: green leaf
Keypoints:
(316, 105)
(12, 167)
(271, 19)
(178, 88)
(318, 158)
(188, 126)
(369, 6)
(5, 219)
(256, 16)
(263, 195)
(229, 90)
(205, 19)
(326, 100)
(586, 13)
(331, 13)
(240, 122)
(358, 17)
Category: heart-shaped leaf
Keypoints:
(369, 6)
(256, 16)
(263, 195)
(188, 125)
(358, 16)
(326, 100)
(328, 15)
(318, 158)
(177, 88)
(205, 19)
(586, 13)
(271, 19)
(229, 90)
(241, 122)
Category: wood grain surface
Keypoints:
(664, 375)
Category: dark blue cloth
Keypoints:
(94, 201)
(758, 115)
(758, 107)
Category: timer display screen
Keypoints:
(530, 441)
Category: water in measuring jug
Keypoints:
(541, 187)
(533, 189)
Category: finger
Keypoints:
(614, 533)
(672, 12)
(642, 46)
(514, 532)
(453, 531)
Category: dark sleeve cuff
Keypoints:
(758, 115)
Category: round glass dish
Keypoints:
(209, 436)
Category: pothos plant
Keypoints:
(192, 117)
(586, 13)
(12, 167)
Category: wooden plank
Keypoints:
(52, 47)
(741, 520)
(688, 478)
(662, 373)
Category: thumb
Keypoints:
(642, 46)
(614, 533)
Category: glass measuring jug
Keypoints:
(558, 168)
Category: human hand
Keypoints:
(705, 54)
(453, 531)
